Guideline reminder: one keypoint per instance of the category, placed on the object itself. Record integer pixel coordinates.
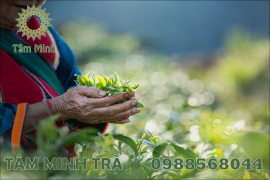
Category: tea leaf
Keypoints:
(246, 175)
(128, 87)
(94, 78)
(135, 86)
(149, 144)
(87, 75)
(98, 85)
(116, 79)
(85, 81)
(183, 152)
(92, 84)
(102, 82)
(111, 81)
(158, 137)
(106, 79)
(117, 93)
(255, 145)
(159, 150)
(143, 136)
(121, 82)
(145, 148)
(126, 82)
(72, 138)
(127, 140)
(150, 134)
(80, 80)
(153, 140)
(139, 104)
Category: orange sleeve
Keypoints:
(18, 125)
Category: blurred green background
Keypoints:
(206, 106)
(230, 91)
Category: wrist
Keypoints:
(56, 109)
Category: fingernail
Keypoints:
(138, 110)
(125, 95)
(134, 99)
(134, 110)
(102, 93)
(133, 103)
(125, 121)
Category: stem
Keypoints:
(135, 161)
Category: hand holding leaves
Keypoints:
(111, 86)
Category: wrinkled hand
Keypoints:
(75, 104)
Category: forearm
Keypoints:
(35, 113)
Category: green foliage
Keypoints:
(109, 85)
(159, 150)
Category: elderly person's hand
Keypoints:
(96, 108)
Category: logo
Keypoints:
(30, 33)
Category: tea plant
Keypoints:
(111, 86)
(139, 157)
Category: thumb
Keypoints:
(91, 91)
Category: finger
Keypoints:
(122, 121)
(91, 91)
(132, 94)
(115, 109)
(109, 100)
(130, 112)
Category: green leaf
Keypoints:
(255, 145)
(183, 152)
(92, 84)
(159, 150)
(106, 79)
(139, 104)
(158, 137)
(98, 85)
(87, 75)
(116, 79)
(127, 140)
(126, 82)
(145, 148)
(135, 86)
(128, 87)
(153, 140)
(127, 91)
(117, 93)
(94, 78)
(79, 79)
(121, 82)
(150, 134)
(77, 149)
(85, 81)
(143, 136)
(144, 161)
(71, 139)
(149, 144)
(111, 82)
(102, 82)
